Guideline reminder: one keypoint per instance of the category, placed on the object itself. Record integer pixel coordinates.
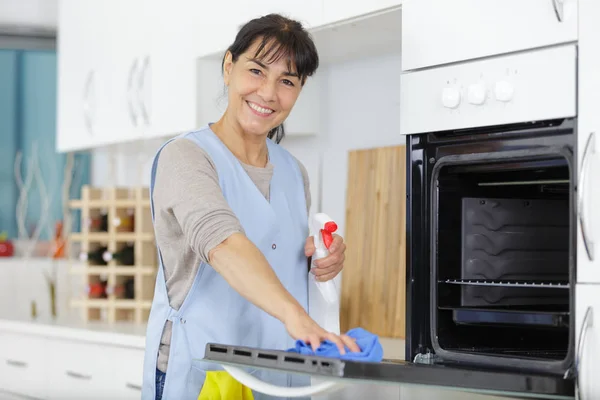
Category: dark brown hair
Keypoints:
(279, 37)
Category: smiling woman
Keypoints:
(230, 208)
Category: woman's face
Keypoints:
(261, 95)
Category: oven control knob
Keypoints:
(477, 93)
(450, 97)
(504, 91)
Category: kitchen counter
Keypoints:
(122, 334)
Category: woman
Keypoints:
(230, 215)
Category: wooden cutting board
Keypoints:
(374, 277)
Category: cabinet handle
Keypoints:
(558, 9)
(132, 113)
(15, 363)
(588, 322)
(77, 375)
(133, 386)
(86, 101)
(589, 148)
(141, 86)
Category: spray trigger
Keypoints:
(327, 233)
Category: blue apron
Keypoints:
(212, 310)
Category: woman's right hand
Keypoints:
(301, 327)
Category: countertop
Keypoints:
(124, 334)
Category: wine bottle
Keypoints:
(94, 257)
(125, 256)
(98, 223)
(125, 290)
(97, 290)
(124, 222)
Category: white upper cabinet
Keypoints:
(139, 69)
(98, 73)
(442, 31)
(339, 10)
(80, 74)
(588, 144)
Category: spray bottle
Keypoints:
(323, 297)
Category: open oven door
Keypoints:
(334, 374)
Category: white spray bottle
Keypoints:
(323, 297)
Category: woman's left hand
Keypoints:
(328, 267)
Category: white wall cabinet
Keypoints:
(132, 71)
(80, 73)
(588, 142)
(339, 10)
(440, 31)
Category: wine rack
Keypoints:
(113, 255)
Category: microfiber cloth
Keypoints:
(368, 343)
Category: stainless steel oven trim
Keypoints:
(490, 157)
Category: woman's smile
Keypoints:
(259, 110)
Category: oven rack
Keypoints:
(520, 284)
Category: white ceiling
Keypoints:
(29, 13)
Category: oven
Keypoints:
(492, 253)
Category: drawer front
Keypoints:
(93, 371)
(442, 31)
(23, 364)
(531, 86)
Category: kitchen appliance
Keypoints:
(494, 212)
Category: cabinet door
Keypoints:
(122, 46)
(174, 43)
(308, 12)
(588, 186)
(588, 340)
(337, 10)
(24, 362)
(442, 31)
(80, 77)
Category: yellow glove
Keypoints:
(219, 385)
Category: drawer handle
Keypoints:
(133, 386)
(15, 363)
(77, 375)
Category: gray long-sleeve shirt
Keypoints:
(192, 217)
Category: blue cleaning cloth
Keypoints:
(368, 343)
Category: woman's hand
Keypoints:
(301, 327)
(328, 267)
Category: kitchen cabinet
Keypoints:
(81, 368)
(587, 316)
(24, 364)
(437, 32)
(338, 10)
(57, 362)
(138, 70)
(588, 186)
(81, 76)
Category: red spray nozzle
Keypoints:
(330, 227)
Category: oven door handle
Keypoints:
(587, 241)
(588, 322)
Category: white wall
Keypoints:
(361, 106)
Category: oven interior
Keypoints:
(501, 265)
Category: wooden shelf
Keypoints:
(113, 219)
